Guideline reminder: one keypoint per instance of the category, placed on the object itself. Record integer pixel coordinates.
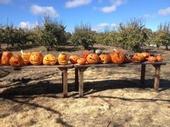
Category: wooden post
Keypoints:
(76, 79)
(81, 85)
(157, 77)
(64, 82)
(143, 69)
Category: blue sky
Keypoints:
(100, 14)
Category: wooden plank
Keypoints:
(76, 79)
(157, 77)
(143, 69)
(81, 84)
(65, 82)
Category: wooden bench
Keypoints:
(62, 68)
(79, 71)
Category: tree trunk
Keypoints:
(166, 47)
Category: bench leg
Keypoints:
(76, 79)
(81, 85)
(157, 77)
(143, 70)
(64, 82)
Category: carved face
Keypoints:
(73, 59)
(81, 61)
(49, 59)
(16, 61)
(26, 56)
(85, 54)
(93, 58)
(6, 57)
(36, 58)
(117, 57)
(152, 59)
(138, 57)
(105, 58)
(159, 58)
(62, 59)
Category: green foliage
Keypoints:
(131, 35)
(83, 36)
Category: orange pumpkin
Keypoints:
(5, 57)
(93, 58)
(26, 56)
(138, 57)
(151, 59)
(62, 59)
(73, 59)
(159, 58)
(49, 59)
(36, 58)
(16, 61)
(117, 57)
(105, 58)
(85, 54)
(81, 61)
(145, 54)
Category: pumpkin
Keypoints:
(81, 61)
(49, 59)
(159, 58)
(151, 59)
(138, 57)
(16, 61)
(36, 58)
(85, 54)
(26, 56)
(105, 58)
(93, 58)
(73, 59)
(117, 57)
(145, 54)
(62, 59)
(6, 57)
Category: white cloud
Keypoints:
(5, 1)
(44, 11)
(113, 7)
(76, 3)
(27, 25)
(164, 12)
(104, 27)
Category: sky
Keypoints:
(99, 14)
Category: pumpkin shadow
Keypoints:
(97, 86)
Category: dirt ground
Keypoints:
(113, 98)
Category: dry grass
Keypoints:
(113, 97)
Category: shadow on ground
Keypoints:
(46, 88)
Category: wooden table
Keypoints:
(62, 68)
(79, 71)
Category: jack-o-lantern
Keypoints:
(36, 58)
(26, 57)
(117, 57)
(105, 58)
(159, 58)
(85, 54)
(62, 59)
(81, 61)
(145, 54)
(73, 59)
(138, 57)
(6, 57)
(93, 58)
(16, 61)
(151, 59)
(49, 59)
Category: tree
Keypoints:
(83, 36)
(131, 35)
